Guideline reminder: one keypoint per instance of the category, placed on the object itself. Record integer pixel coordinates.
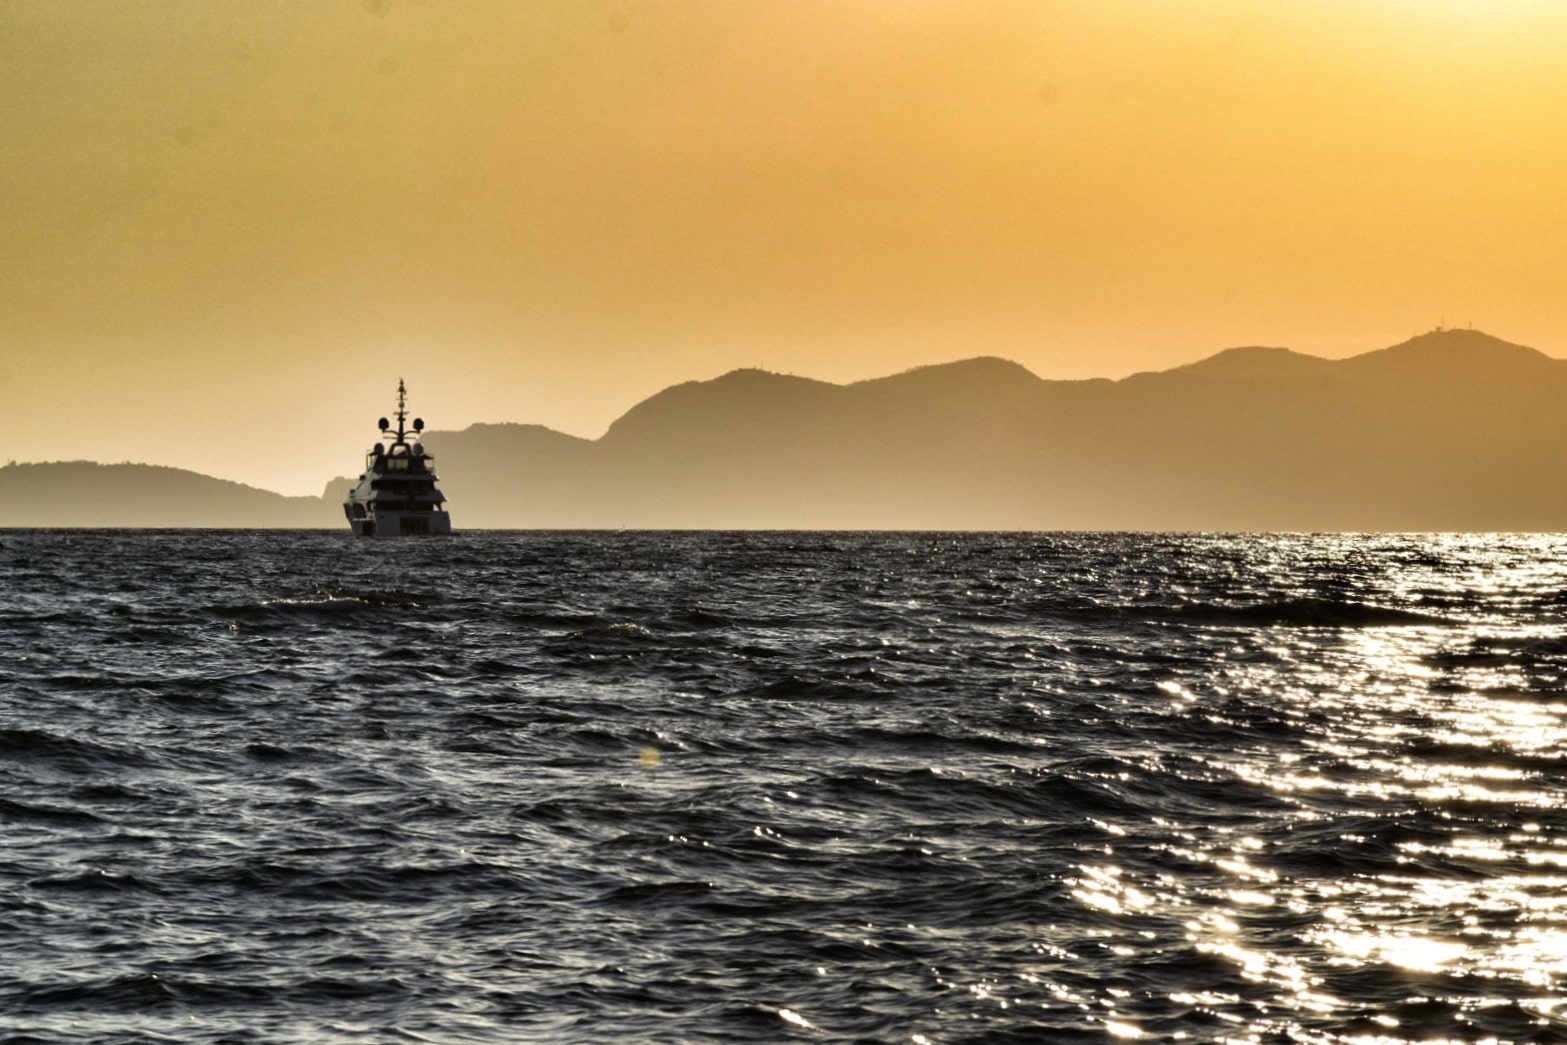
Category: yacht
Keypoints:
(397, 496)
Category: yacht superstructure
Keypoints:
(397, 496)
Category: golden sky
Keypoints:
(229, 228)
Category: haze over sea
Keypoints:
(833, 787)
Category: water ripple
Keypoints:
(725, 787)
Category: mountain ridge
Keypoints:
(1447, 430)
(72, 493)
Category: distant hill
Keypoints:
(82, 493)
(1452, 430)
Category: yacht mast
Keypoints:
(402, 411)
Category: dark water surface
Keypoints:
(579, 787)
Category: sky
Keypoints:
(227, 229)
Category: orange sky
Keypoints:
(228, 229)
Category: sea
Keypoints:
(767, 787)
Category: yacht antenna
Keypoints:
(402, 411)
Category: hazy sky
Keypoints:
(229, 228)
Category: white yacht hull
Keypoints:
(397, 524)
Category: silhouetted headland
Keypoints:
(85, 493)
(1452, 430)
